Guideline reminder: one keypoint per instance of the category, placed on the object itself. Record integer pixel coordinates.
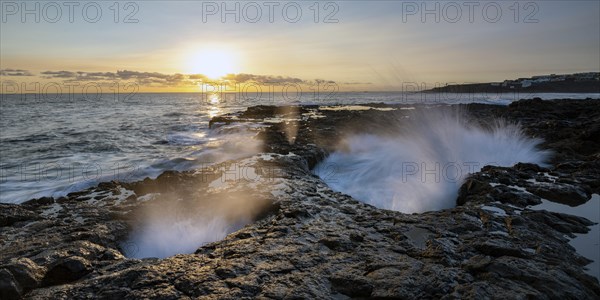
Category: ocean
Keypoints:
(51, 145)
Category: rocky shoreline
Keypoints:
(304, 241)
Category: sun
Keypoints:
(213, 62)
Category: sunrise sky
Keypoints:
(374, 45)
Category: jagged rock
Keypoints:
(66, 270)
(304, 241)
(12, 213)
(497, 248)
(9, 287)
(26, 273)
(562, 193)
(39, 201)
(351, 285)
(471, 187)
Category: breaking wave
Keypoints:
(422, 166)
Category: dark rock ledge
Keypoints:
(308, 242)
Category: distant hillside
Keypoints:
(569, 83)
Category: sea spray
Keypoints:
(172, 225)
(182, 221)
(167, 235)
(422, 166)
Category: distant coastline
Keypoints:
(565, 83)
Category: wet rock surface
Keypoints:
(304, 241)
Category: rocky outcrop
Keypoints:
(304, 241)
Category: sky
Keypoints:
(168, 46)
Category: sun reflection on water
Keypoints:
(213, 108)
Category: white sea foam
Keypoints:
(422, 166)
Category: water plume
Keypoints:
(419, 164)
(170, 226)
(180, 219)
(290, 123)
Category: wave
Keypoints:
(423, 164)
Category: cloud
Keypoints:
(94, 76)
(59, 74)
(198, 76)
(277, 80)
(356, 83)
(177, 79)
(322, 81)
(15, 72)
(144, 78)
(126, 74)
